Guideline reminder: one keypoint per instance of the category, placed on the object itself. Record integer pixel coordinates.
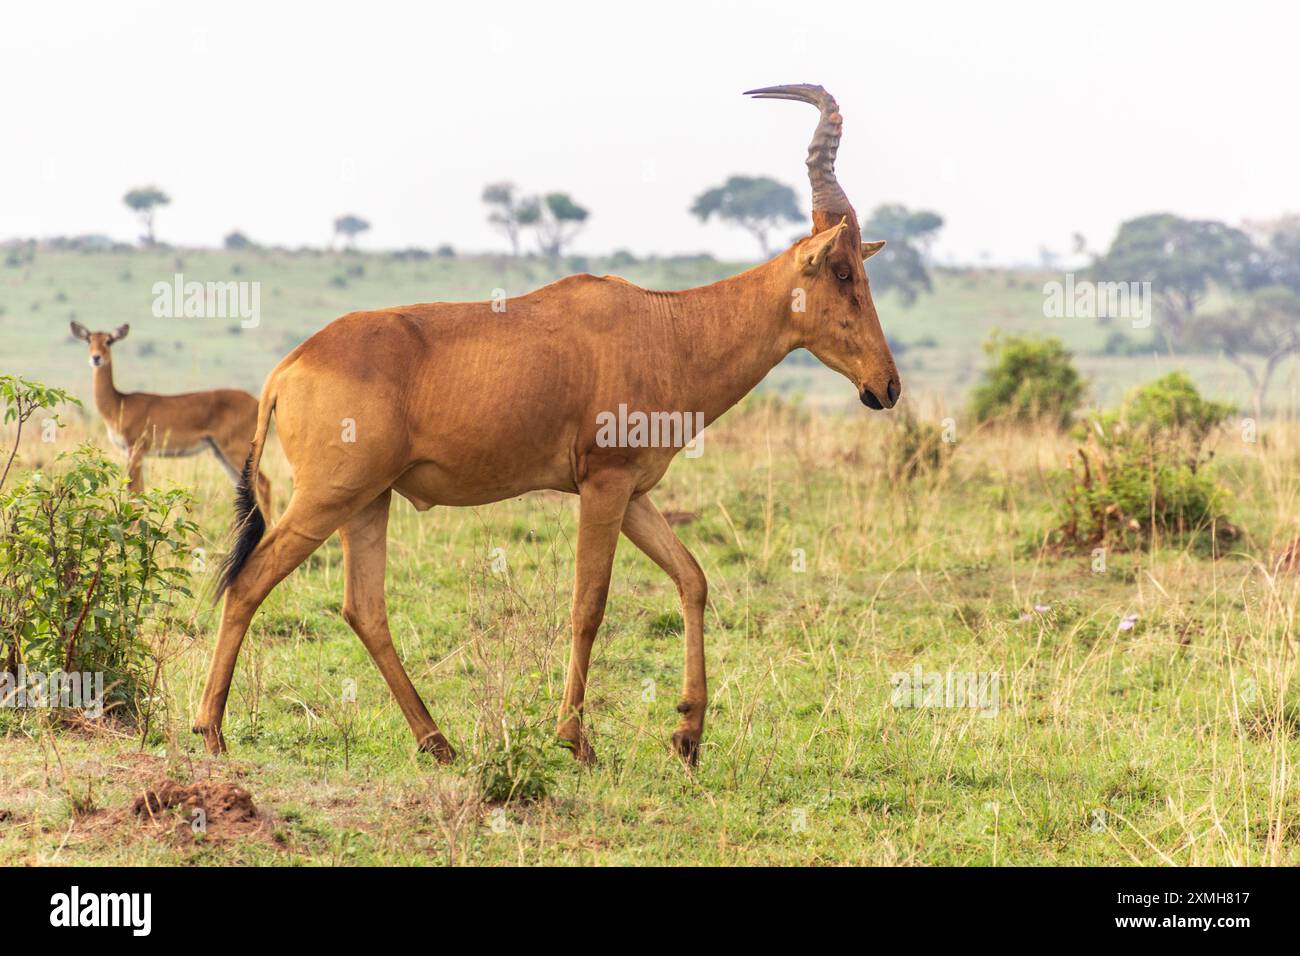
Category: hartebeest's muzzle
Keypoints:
(892, 391)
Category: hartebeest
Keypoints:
(467, 403)
(222, 421)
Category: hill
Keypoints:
(937, 341)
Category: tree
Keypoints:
(237, 240)
(754, 203)
(908, 235)
(555, 217)
(1181, 258)
(1256, 338)
(143, 201)
(350, 226)
(504, 215)
(1280, 239)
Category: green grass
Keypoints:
(1173, 742)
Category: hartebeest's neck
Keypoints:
(729, 335)
(107, 398)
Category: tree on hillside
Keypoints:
(908, 235)
(556, 219)
(504, 204)
(756, 204)
(1181, 258)
(143, 201)
(1280, 239)
(1256, 338)
(350, 227)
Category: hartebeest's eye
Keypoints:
(842, 274)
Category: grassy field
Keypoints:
(1170, 742)
(1173, 742)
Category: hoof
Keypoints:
(581, 750)
(686, 744)
(213, 741)
(437, 745)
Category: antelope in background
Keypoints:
(459, 404)
(171, 426)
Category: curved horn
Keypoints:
(827, 196)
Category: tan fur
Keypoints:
(141, 424)
(461, 404)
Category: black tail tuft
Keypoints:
(249, 528)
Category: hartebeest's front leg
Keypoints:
(603, 501)
(646, 527)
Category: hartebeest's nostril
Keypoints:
(893, 391)
(869, 399)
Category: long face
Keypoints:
(839, 323)
(832, 308)
(100, 343)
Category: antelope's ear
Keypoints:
(80, 331)
(119, 334)
(869, 249)
(815, 249)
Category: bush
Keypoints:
(1142, 471)
(410, 254)
(915, 447)
(519, 765)
(1171, 410)
(1029, 380)
(84, 564)
(1118, 343)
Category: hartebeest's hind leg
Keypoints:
(300, 532)
(365, 553)
(649, 531)
(603, 501)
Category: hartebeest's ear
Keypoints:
(80, 331)
(815, 250)
(119, 334)
(869, 249)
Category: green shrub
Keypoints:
(85, 566)
(520, 765)
(1029, 380)
(1171, 410)
(915, 447)
(1143, 471)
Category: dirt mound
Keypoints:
(211, 807)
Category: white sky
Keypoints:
(1020, 123)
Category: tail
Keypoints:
(250, 523)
